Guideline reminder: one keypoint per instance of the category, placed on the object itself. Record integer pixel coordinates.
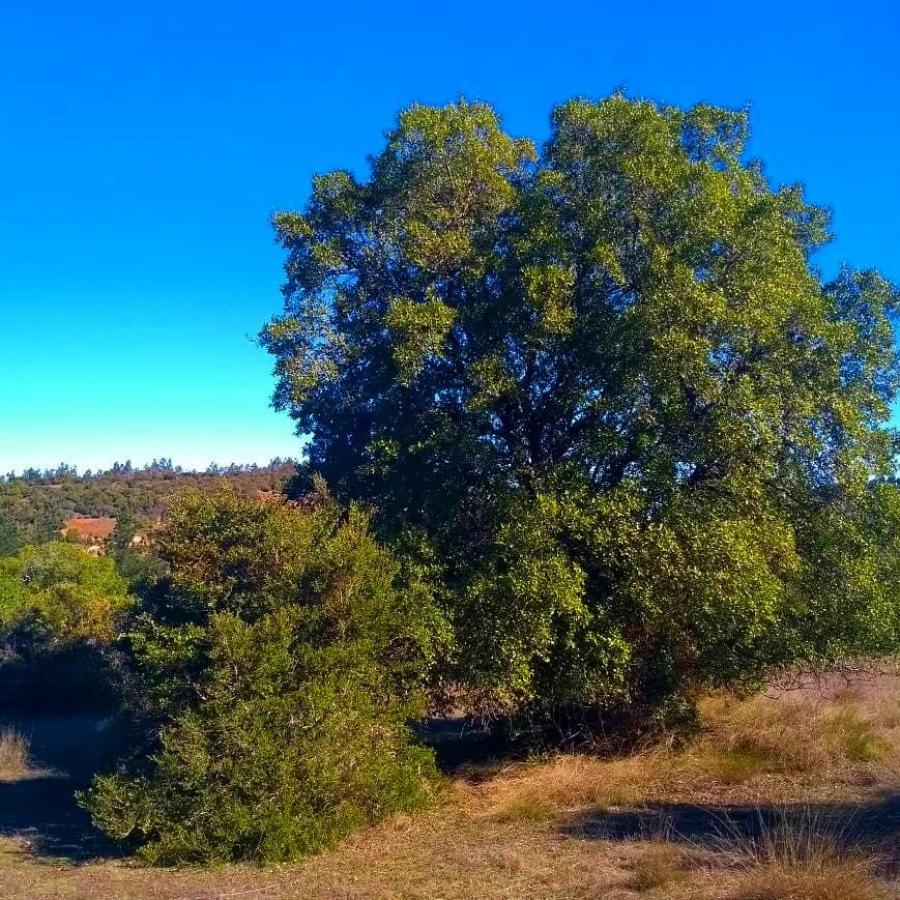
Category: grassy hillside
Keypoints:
(792, 794)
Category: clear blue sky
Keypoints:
(143, 147)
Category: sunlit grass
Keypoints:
(659, 864)
(536, 829)
(801, 859)
(15, 755)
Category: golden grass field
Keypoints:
(792, 795)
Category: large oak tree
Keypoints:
(602, 389)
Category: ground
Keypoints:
(791, 795)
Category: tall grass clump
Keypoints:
(14, 755)
(802, 857)
(745, 738)
(661, 863)
(854, 736)
(548, 787)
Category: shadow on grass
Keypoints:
(40, 809)
(871, 828)
(465, 744)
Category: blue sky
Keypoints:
(143, 148)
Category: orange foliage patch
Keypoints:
(90, 530)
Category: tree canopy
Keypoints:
(75, 596)
(603, 389)
(60, 612)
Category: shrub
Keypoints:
(10, 537)
(283, 658)
(64, 591)
(60, 612)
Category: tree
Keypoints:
(48, 519)
(133, 562)
(60, 612)
(604, 388)
(281, 660)
(77, 596)
(10, 538)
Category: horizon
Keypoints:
(150, 147)
(156, 465)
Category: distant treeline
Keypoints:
(35, 503)
(160, 468)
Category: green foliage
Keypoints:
(135, 563)
(283, 658)
(604, 394)
(10, 538)
(63, 591)
(60, 611)
(851, 576)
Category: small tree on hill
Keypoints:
(10, 538)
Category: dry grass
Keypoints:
(855, 737)
(659, 865)
(15, 762)
(834, 882)
(804, 860)
(794, 735)
(525, 831)
(569, 782)
(526, 808)
(730, 766)
(775, 734)
(776, 741)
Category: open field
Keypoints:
(791, 795)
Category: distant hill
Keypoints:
(40, 506)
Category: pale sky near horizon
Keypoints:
(146, 145)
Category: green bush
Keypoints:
(10, 537)
(283, 658)
(74, 594)
(60, 612)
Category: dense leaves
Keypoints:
(60, 610)
(75, 595)
(10, 538)
(282, 660)
(603, 389)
